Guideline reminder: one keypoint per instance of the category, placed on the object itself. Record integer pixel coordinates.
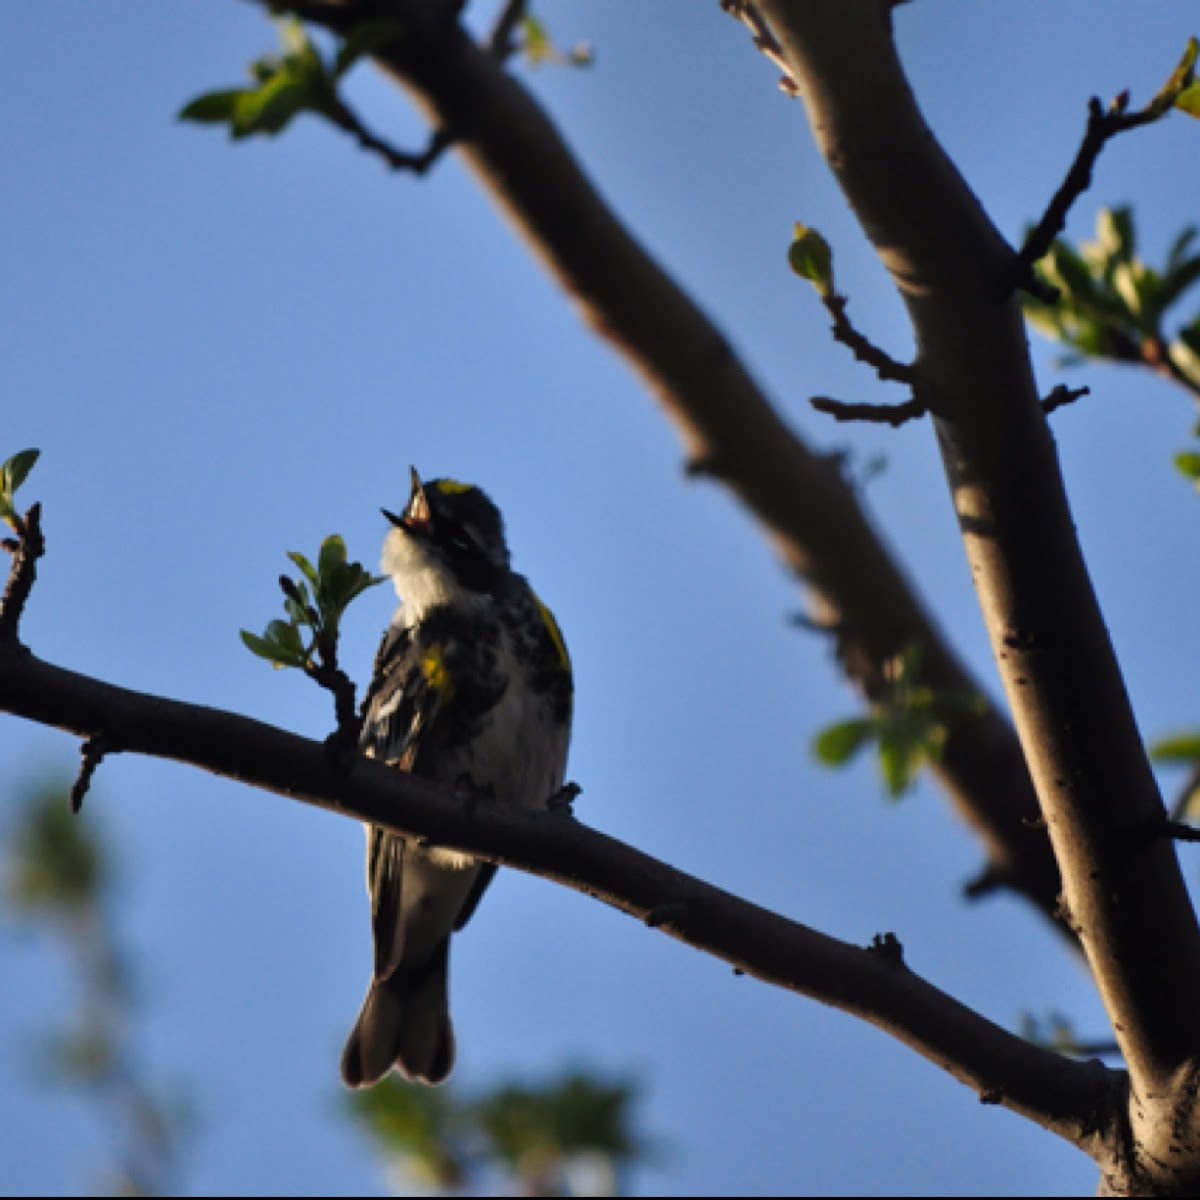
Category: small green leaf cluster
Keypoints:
(908, 725)
(12, 475)
(1181, 91)
(315, 605)
(60, 875)
(539, 49)
(535, 1135)
(811, 258)
(287, 84)
(1112, 305)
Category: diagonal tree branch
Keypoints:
(1077, 1101)
(1123, 890)
(808, 512)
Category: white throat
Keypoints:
(421, 581)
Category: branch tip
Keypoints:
(764, 40)
(894, 415)
(1063, 395)
(1102, 126)
(990, 879)
(93, 752)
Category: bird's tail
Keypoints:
(404, 1022)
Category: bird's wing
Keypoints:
(408, 690)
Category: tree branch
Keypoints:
(1123, 887)
(809, 514)
(26, 548)
(1074, 1100)
(1102, 126)
(879, 414)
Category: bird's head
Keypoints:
(447, 544)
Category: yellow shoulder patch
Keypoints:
(564, 659)
(436, 674)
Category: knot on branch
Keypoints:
(564, 799)
(670, 913)
(888, 948)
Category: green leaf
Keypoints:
(333, 554)
(297, 611)
(1179, 248)
(537, 44)
(1180, 81)
(281, 645)
(811, 258)
(1188, 462)
(839, 743)
(213, 107)
(1188, 100)
(304, 565)
(270, 109)
(1179, 278)
(900, 761)
(1179, 747)
(1186, 359)
(1114, 232)
(14, 471)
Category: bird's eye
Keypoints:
(460, 541)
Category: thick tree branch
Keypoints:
(1077, 1101)
(1123, 888)
(808, 512)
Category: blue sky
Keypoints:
(227, 352)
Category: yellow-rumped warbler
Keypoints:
(472, 685)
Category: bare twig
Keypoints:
(886, 367)
(346, 118)
(93, 751)
(880, 414)
(764, 40)
(1102, 125)
(1179, 832)
(330, 676)
(1062, 395)
(26, 548)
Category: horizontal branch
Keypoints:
(1071, 1099)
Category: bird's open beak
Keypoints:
(416, 517)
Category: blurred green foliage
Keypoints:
(1114, 307)
(907, 724)
(571, 1135)
(58, 874)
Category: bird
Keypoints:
(472, 686)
